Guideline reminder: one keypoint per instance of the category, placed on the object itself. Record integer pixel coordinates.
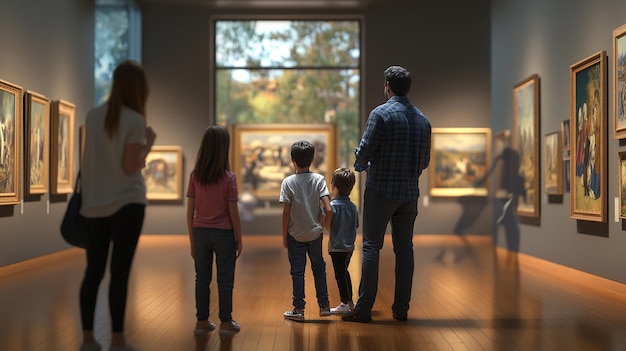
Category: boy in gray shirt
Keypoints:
(303, 225)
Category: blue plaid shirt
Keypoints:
(395, 149)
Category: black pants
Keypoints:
(123, 229)
(341, 261)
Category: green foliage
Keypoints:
(290, 72)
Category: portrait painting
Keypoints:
(565, 130)
(460, 161)
(553, 162)
(526, 143)
(163, 173)
(11, 136)
(62, 147)
(261, 154)
(619, 82)
(37, 126)
(588, 145)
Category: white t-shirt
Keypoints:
(304, 192)
(104, 185)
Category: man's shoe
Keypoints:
(229, 328)
(357, 316)
(400, 316)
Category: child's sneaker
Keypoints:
(296, 314)
(343, 308)
(229, 328)
(203, 328)
(324, 311)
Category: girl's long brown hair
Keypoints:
(130, 89)
(212, 159)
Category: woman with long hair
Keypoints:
(114, 196)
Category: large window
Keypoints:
(118, 38)
(302, 71)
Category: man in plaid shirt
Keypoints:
(394, 150)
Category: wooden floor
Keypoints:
(464, 298)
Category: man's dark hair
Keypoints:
(399, 80)
(302, 153)
(344, 180)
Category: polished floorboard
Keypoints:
(466, 296)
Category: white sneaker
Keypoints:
(296, 314)
(343, 308)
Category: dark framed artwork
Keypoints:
(261, 154)
(588, 113)
(11, 136)
(163, 173)
(37, 143)
(526, 142)
(553, 164)
(619, 82)
(62, 147)
(459, 162)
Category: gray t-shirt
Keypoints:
(304, 192)
(104, 185)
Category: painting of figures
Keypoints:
(10, 143)
(37, 124)
(526, 142)
(619, 82)
(163, 173)
(588, 144)
(261, 154)
(62, 147)
(459, 162)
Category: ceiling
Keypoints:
(272, 4)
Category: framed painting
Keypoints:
(62, 147)
(622, 183)
(37, 142)
(526, 142)
(11, 136)
(619, 82)
(460, 161)
(261, 154)
(553, 164)
(501, 140)
(163, 173)
(588, 113)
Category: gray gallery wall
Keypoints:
(448, 53)
(546, 38)
(46, 47)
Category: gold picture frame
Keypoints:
(261, 157)
(11, 136)
(588, 113)
(526, 142)
(37, 143)
(553, 164)
(459, 162)
(163, 173)
(619, 82)
(62, 147)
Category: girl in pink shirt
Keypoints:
(214, 228)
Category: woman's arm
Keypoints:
(135, 153)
